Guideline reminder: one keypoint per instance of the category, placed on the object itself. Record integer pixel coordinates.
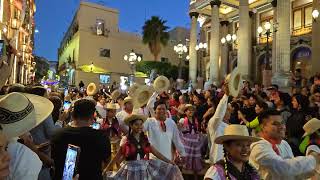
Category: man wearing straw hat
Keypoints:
(127, 110)
(19, 114)
(272, 156)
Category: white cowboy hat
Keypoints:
(111, 106)
(115, 94)
(92, 89)
(235, 132)
(311, 126)
(132, 117)
(161, 84)
(127, 99)
(234, 81)
(20, 112)
(132, 89)
(142, 96)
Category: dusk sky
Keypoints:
(53, 18)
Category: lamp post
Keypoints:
(132, 59)
(267, 29)
(180, 49)
(315, 14)
(267, 72)
(229, 39)
(202, 47)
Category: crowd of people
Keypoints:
(157, 132)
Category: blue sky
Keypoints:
(53, 18)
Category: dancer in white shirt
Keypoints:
(163, 132)
(127, 110)
(216, 126)
(272, 156)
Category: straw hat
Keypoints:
(92, 89)
(311, 126)
(115, 94)
(161, 84)
(127, 99)
(234, 81)
(187, 106)
(142, 96)
(235, 132)
(19, 112)
(111, 106)
(132, 117)
(132, 89)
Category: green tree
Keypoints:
(162, 68)
(42, 67)
(155, 35)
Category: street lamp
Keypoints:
(267, 29)
(132, 59)
(315, 14)
(180, 49)
(228, 39)
(202, 47)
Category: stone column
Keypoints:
(282, 74)
(243, 36)
(315, 62)
(224, 51)
(192, 50)
(214, 42)
(274, 37)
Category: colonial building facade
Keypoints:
(262, 38)
(17, 27)
(94, 38)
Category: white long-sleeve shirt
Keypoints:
(283, 166)
(161, 140)
(216, 128)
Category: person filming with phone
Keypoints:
(93, 148)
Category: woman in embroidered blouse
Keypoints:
(192, 140)
(236, 143)
(135, 149)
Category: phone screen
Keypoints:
(96, 125)
(1, 48)
(72, 155)
(66, 105)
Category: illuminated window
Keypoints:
(100, 27)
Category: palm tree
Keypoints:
(155, 34)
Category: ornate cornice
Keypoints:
(215, 3)
(274, 3)
(224, 23)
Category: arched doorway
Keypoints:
(301, 59)
(262, 61)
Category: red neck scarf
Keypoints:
(273, 143)
(162, 125)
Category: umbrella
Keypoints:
(92, 69)
(140, 75)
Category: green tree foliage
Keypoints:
(155, 35)
(42, 67)
(162, 68)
